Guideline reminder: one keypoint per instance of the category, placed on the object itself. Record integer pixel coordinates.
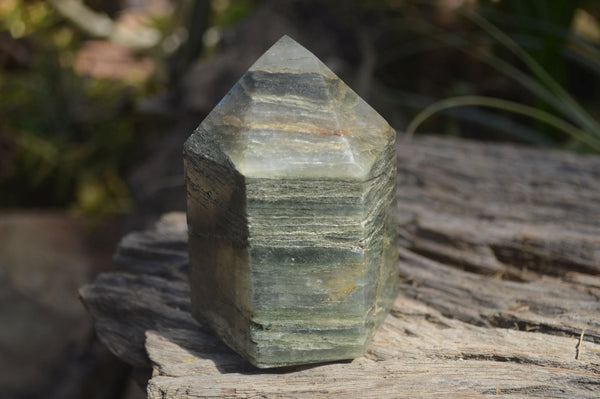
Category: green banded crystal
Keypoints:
(291, 201)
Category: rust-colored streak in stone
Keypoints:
(333, 133)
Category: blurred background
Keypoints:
(98, 96)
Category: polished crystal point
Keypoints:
(291, 200)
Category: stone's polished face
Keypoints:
(291, 202)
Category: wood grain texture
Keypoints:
(500, 266)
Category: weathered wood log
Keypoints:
(500, 290)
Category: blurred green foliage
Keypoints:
(71, 138)
(523, 69)
(555, 14)
(547, 30)
(73, 134)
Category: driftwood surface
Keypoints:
(500, 290)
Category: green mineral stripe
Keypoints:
(284, 356)
(345, 213)
(284, 320)
(264, 221)
(314, 87)
(302, 255)
(281, 189)
(303, 304)
(342, 239)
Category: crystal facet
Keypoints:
(291, 201)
